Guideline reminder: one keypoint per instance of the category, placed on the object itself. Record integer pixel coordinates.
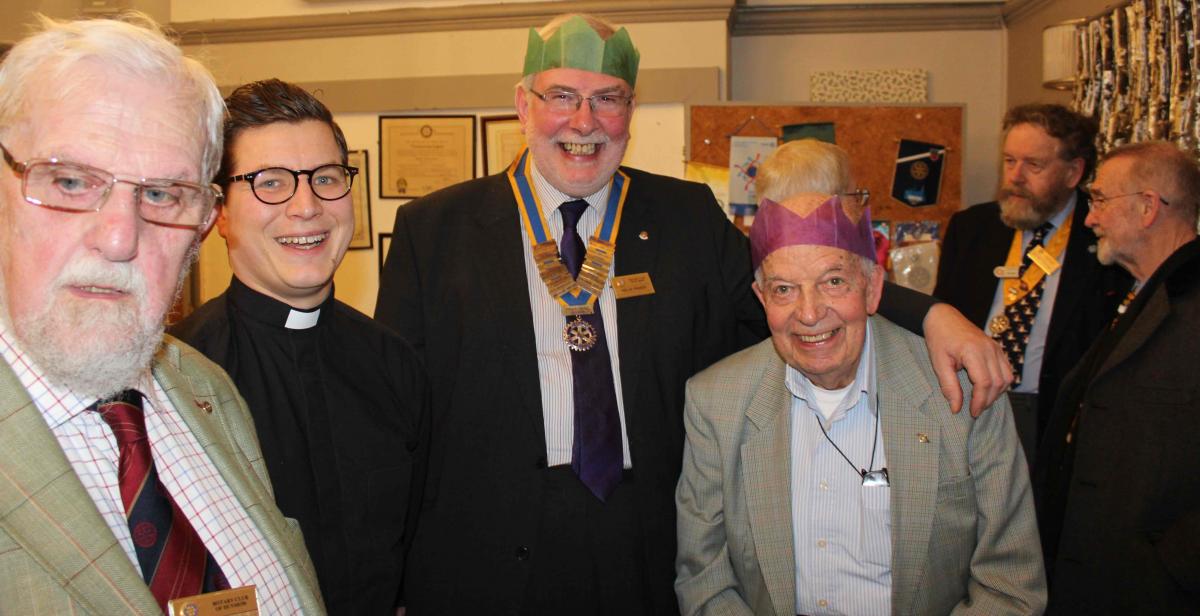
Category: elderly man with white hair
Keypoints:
(130, 475)
(823, 473)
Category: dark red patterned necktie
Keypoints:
(173, 560)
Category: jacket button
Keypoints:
(541, 462)
(522, 553)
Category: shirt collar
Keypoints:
(1056, 221)
(864, 381)
(551, 197)
(58, 404)
(270, 311)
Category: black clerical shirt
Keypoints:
(340, 407)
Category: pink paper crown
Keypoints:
(775, 227)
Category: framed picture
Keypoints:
(421, 154)
(502, 141)
(385, 244)
(361, 192)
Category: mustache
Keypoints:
(1013, 191)
(121, 277)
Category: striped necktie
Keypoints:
(173, 560)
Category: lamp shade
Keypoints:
(1060, 55)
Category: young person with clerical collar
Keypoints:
(339, 401)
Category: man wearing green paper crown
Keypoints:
(560, 308)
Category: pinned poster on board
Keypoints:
(918, 177)
(745, 155)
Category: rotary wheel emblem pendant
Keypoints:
(579, 335)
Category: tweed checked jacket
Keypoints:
(57, 555)
(964, 535)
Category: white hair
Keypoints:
(803, 166)
(131, 46)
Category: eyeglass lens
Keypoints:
(74, 187)
(276, 184)
(608, 105)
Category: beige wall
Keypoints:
(1025, 48)
(657, 143)
(964, 67)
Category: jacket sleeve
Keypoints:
(705, 580)
(1007, 575)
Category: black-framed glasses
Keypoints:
(1100, 202)
(274, 185)
(74, 187)
(603, 105)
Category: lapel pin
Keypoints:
(921, 438)
(205, 406)
(643, 236)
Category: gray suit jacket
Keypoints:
(57, 555)
(964, 536)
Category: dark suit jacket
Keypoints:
(1130, 539)
(454, 285)
(976, 241)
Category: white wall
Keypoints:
(964, 67)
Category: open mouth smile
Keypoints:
(303, 242)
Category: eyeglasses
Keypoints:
(1100, 202)
(602, 105)
(274, 185)
(74, 187)
(859, 195)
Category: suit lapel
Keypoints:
(991, 250)
(766, 464)
(45, 509)
(1144, 325)
(1079, 271)
(904, 415)
(504, 294)
(634, 256)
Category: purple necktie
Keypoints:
(596, 453)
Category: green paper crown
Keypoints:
(577, 45)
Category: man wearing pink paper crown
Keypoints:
(560, 307)
(823, 473)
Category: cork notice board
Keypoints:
(870, 134)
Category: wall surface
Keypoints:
(964, 67)
(1025, 48)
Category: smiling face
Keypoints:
(291, 250)
(817, 300)
(1037, 181)
(576, 152)
(86, 292)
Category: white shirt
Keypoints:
(183, 467)
(554, 358)
(841, 530)
(1032, 369)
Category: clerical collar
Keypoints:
(271, 311)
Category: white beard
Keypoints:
(94, 348)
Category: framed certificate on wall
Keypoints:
(421, 154)
(361, 192)
(502, 141)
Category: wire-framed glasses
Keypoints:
(604, 105)
(74, 187)
(274, 185)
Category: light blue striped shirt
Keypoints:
(554, 358)
(841, 530)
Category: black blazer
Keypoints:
(976, 241)
(454, 285)
(1130, 536)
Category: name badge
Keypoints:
(233, 602)
(1044, 260)
(632, 285)
(1007, 271)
